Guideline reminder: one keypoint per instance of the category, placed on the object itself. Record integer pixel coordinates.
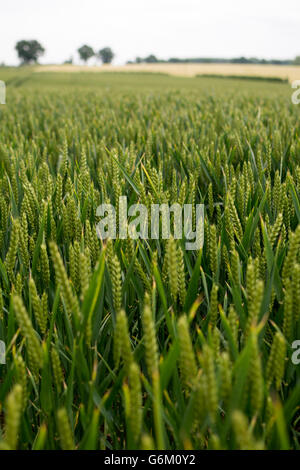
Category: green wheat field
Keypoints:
(140, 344)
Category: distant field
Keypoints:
(119, 82)
(187, 70)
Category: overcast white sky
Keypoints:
(166, 28)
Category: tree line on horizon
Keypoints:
(29, 52)
(152, 59)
